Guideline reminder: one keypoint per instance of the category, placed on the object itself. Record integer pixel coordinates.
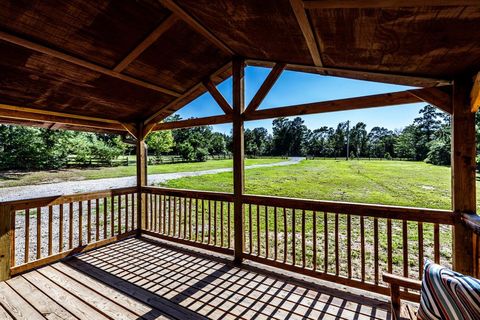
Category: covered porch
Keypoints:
(64, 71)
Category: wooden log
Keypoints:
(195, 122)
(265, 87)
(217, 96)
(238, 157)
(6, 235)
(141, 158)
(463, 175)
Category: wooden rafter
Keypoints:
(219, 98)
(197, 26)
(184, 99)
(131, 129)
(57, 118)
(79, 62)
(359, 4)
(304, 23)
(379, 100)
(196, 122)
(266, 86)
(147, 42)
(436, 97)
(475, 94)
(359, 74)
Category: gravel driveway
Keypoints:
(71, 187)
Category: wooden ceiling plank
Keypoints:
(372, 101)
(197, 26)
(304, 23)
(475, 94)
(266, 87)
(146, 43)
(195, 122)
(436, 97)
(19, 113)
(158, 116)
(394, 78)
(363, 4)
(219, 98)
(79, 62)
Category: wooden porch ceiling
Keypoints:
(132, 61)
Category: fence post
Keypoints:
(6, 239)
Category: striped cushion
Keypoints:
(448, 295)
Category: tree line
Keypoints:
(427, 138)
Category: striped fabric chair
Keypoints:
(445, 294)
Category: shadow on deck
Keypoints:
(141, 279)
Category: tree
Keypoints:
(160, 142)
(288, 136)
(406, 143)
(428, 123)
(359, 139)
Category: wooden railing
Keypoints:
(198, 218)
(47, 229)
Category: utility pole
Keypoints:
(348, 140)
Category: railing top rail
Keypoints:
(62, 199)
(360, 209)
(472, 221)
(207, 195)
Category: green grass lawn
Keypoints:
(404, 183)
(11, 179)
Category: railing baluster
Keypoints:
(180, 216)
(132, 222)
(293, 237)
(190, 218)
(221, 223)
(80, 223)
(405, 247)
(196, 219)
(250, 238)
(436, 242)
(285, 236)
(174, 216)
(214, 222)
(314, 240)
(325, 242)
(389, 246)
(337, 256)
(184, 217)
(420, 250)
(203, 220)
(97, 219)
(275, 234)
(70, 225)
(50, 230)
(126, 212)
(13, 214)
(105, 220)
(60, 228)
(228, 227)
(89, 221)
(258, 231)
(303, 240)
(155, 212)
(164, 214)
(362, 246)
(112, 216)
(119, 199)
(266, 232)
(349, 246)
(375, 249)
(39, 233)
(27, 236)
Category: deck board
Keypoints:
(139, 279)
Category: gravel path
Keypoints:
(71, 187)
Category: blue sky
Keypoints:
(297, 87)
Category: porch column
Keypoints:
(141, 157)
(463, 174)
(238, 158)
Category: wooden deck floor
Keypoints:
(139, 279)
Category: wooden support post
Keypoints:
(6, 237)
(463, 174)
(141, 178)
(238, 157)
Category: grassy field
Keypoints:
(414, 184)
(11, 179)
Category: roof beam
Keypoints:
(147, 42)
(304, 23)
(195, 122)
(28, 114)
(131, 129)
(219, 98)
(82, 63)
(266, 86)
(379, 100)
(436, 97)
(187, 97)
(475, 94)
(182, 14)
(360, 4)
(385, 77)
